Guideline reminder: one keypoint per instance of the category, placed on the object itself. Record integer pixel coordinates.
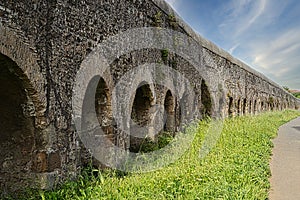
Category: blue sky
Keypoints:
(265, 34)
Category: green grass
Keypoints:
(236, 168)
(297, 95)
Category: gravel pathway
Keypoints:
(285, 163)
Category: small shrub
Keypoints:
(157, 19)
(162, 140)
(165, 55)
(173, 22)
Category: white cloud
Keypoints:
(277, 50)
(255, 28)
(278, 56)
(173, 3)
(241, 15)
(257, 11)
(231, 50)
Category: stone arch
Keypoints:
(282, 106)
(96, 120)
(279, 104)
(276, 104)
(182, 111)
(17, 125)
(285, 105)
(17, 55)
(103, 108)
(244, 106)
(255, 107)
(272, 106)
(230, 107)
(140, 114)
(267, 105)
(262, 108)
(206, 100)
(250, 107)
(28, 70)
(238, 107)
(169, 106)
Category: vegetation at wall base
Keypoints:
(297, 95)
(236, 168)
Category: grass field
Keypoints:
(236, 168)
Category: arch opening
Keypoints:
(104, 109)
(230, 107)
(140, 116)
(239, 107)
(244, 106)
(169, 105)
(250, 107)
(17, 121)
(206, 108)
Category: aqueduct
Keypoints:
(42, 47)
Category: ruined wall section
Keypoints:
(22, 31)
(48, 40)
(250, 93)
(240, 80)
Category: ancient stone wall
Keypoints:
(42, 47)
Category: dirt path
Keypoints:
(285, 163)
